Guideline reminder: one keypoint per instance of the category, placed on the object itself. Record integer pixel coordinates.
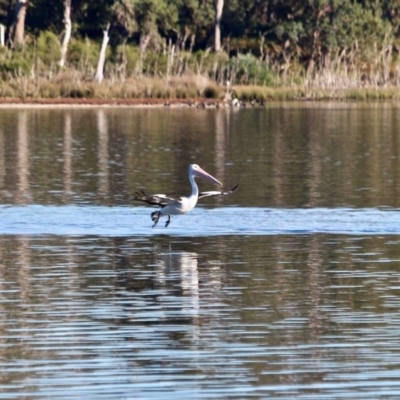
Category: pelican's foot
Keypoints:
(155, 216)
(168, 221)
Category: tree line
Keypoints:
(290, 37)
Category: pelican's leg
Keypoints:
(169, 220)
(155, 216)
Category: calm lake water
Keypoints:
(287, 289)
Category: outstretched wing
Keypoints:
(155, 199)
(217, 192)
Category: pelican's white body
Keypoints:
(186, 203)
(182, 205)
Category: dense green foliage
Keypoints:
(328, 43)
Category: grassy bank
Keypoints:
(184, 88)
(247, 93)
(32, 73)
(73, 85)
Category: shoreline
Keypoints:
(98, 102)
(197, 103)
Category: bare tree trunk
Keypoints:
(67, 31)
(218, 15)
(171, 54)
(18, 30)
(2, 35)
(192, 40)
(102, 57)
(144, 42)
(314, 50)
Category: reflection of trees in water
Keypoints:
(223, 122)
(67, 156)
(2, 160)
(23, 160)
(222, 130)
(300, 155)
(103, 157)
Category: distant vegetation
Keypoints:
(267, 49)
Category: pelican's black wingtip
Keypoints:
(139, 195)
(234, 188)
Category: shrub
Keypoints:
(251, 70)
(14, 63)
(83, 54)
(47, 48)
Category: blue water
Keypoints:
(134, 221)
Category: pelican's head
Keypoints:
(197, 172)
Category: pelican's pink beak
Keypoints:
(200, 173)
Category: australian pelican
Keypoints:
(181, 205)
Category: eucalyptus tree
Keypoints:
(313, 32)
(196, 19)
(154, 19)
(16, 13)
(391, 13)
(219, 6)
(67, 31)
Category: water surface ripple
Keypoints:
(287, 289)
(310, 317)
(123, 221)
